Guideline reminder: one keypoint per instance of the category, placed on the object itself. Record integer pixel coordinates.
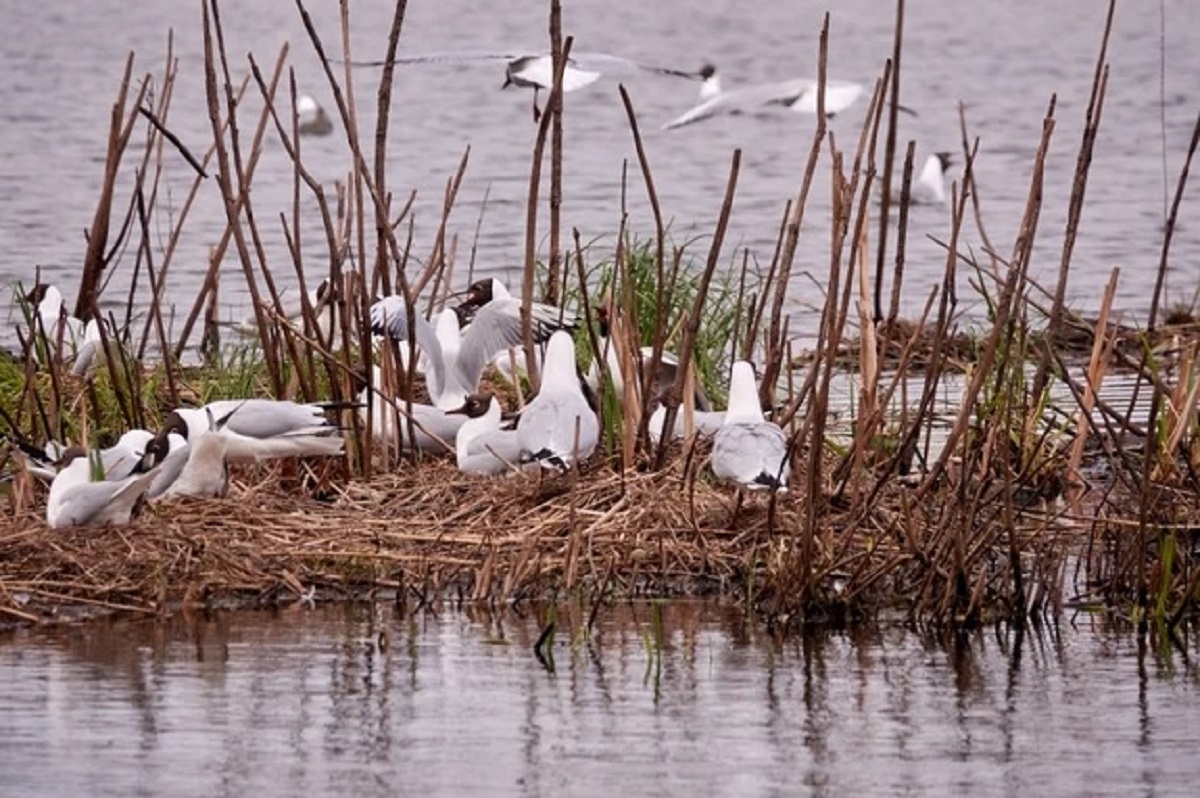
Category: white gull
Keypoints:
(79, 495)
(483, 446)
(748, 450)
(259, 429)
(558, 426)
(798, 95)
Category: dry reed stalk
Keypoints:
(889, 153)
(692, 326)
(1092, 116)
(661, 287)
(555, 109)
(773, 357)
(94, 261)
(553, 106)
(1095, 377)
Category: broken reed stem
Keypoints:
(889, 155)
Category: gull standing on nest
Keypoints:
(748, 450)
(558, 427)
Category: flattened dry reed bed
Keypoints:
(431, 533)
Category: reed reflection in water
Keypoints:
(674, 699)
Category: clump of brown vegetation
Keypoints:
(1015, 503)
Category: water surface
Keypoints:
(309, 702)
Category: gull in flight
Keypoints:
(79, 494)
(558, 426)
(748, 450)
(536, 70)
(798, 95)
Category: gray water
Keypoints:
(1003, 61)
(307, 702)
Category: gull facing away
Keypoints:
(76, 499)
(548, 426)
(260, 429)
(798, 95)
(483, 446)
(536, 70)
(748, 450)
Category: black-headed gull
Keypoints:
(456, 361)
(196, 466)
(260, 429)
(748, 450)
(798, 95)
(81, 340)
(79, 495)
(483, 446)
(125, 456)
(434, 429)
(536, 70)
(558, 426)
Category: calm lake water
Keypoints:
(1003, 61)
(306, 702)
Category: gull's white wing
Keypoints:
(799, 94)
(751, 454)
(389, 316)
(269, 418)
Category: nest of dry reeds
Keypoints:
(422, 532)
